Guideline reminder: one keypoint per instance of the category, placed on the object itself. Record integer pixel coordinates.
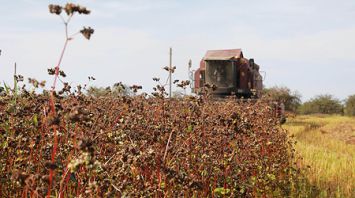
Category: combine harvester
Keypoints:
(233, 75)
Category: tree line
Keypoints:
(320, 104)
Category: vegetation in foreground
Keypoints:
(142, 146)
(327, 145)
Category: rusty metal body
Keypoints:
(230, 72)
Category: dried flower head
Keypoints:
(51, 71)
(184, 83)
(170, 69)
(87, 32)
(66, 87)
(61, 73)
(135, 88)
(83, 10)
(55, 9)
(70, 8)
(18, 78)
(91, 78)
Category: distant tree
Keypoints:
(178, 94)
(98, 91)
(117, 89)
(324, 104)
(350, 106)
(291, 100)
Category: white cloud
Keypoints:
(337, 44)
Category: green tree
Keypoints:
(350, 106)
(291, 99)
(325, 104)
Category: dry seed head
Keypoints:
(61, 73)
(135, 88)
(170, 69)
(18, 78)
(51, 71)
(183, 83)
(55, 9)
(83, 10)
(87, 32)
(70, 8)
(91, 78)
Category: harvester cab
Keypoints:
(233, 75)
(230, 72)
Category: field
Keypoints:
(141, 146)
(327, 146)
(148, 146)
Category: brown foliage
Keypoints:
(141, 146)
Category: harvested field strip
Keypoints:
(327, 151)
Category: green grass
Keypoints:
(327, 145)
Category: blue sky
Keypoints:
(308, 46)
